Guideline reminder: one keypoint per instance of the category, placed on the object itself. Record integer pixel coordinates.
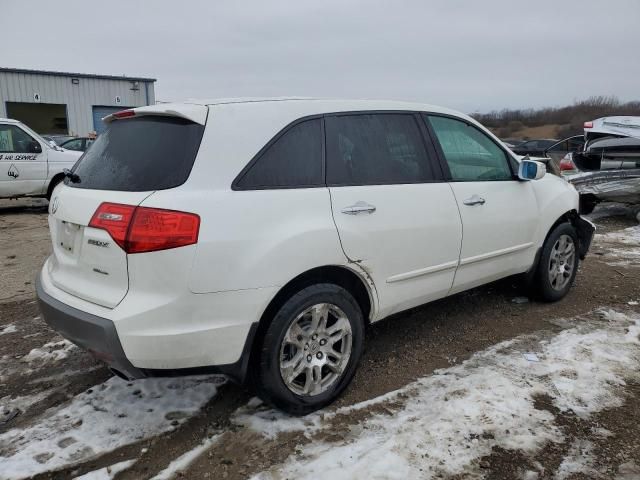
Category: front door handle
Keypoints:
(474, 200)
(359, 208)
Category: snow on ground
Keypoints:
(50, 352)
(270, 423)
(106, 473)
(445, 423)
(623, 247)
(184, 460)
(22, 403)
(578, 460)
(11, 328)
(37, 358)
(628, 236)
(101, 419)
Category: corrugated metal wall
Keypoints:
(79, 99)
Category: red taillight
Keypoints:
(154, 229)
(124, 114)
(115, 219)
(567, 164)
(588, 124)
(142, 229)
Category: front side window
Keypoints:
(15, 140)
(375, 149)
(470, 154)
(293, 160)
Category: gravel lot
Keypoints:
(485, 384)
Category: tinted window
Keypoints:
(14, 140)
(293, 160)
(375, 149)
(470, 154)
(140, 154)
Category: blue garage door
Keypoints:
(99, 113)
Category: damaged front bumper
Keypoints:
(585, 230)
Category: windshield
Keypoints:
(37, 136)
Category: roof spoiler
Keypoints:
(191, 112)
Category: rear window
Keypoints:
(140, 154)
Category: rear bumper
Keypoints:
(95, 334)
(138, 345)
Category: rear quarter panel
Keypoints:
(258, 238)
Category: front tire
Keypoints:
(558, 264)
(311, 349)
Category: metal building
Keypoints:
(68, 103)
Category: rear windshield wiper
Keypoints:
(73, 177)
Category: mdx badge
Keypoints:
(97, 243)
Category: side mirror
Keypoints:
(52, 144)
(34, 147)
(531, 170)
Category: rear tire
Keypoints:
(558, 264)
(311, 349)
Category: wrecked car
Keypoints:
(608, 163)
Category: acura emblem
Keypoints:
(55, 205)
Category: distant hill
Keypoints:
(554, 122)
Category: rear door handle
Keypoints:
(474, 200)
(359, 208)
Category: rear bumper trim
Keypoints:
(98, 335)
(95, 334)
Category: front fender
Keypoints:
(556, 199)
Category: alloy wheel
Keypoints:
(562, 262)
(315, 350)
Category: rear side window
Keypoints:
(140, 154)
(375, 149)
(470, 154)
(294, 159)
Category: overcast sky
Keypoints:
(469, 55)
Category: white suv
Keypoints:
(29, 165)
(258, 238)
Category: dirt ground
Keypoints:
(398, 351)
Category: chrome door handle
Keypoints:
(359, 208)
(474, 200)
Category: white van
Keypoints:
(258, 238)
(29, 165)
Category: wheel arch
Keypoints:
(336, 274)
(584, 235)
(569, 216)
(57, 178)
(343, 276)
